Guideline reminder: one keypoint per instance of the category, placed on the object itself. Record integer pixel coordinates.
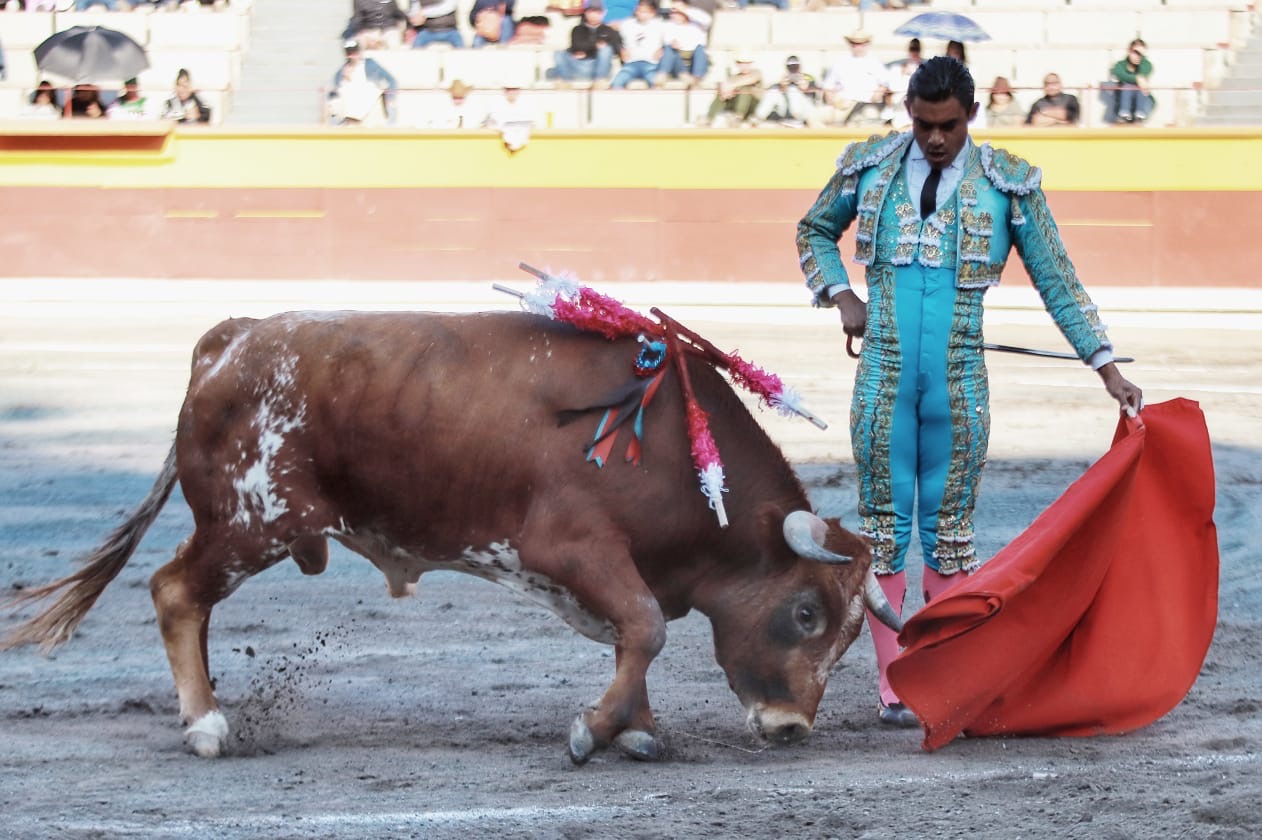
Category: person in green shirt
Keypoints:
(1133, 100)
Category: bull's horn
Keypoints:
(805, 532)
(876, 602)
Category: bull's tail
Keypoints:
(57, 623)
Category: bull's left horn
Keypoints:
(805, 533)
(876, 602)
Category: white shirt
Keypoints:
(857, 78)
(642, 41)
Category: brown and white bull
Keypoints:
(426, 441)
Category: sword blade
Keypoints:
(1050, 354)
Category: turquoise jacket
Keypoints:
(1001, 207)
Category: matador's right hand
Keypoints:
(853, 310)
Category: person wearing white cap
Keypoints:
(363, 91)
(936, 217)
(512, 115)
(857, 83)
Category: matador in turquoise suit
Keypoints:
(935, 217)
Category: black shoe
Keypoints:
(896, 714)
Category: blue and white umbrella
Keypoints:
(947, 26)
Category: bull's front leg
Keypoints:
(623, 715)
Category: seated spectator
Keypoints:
(643, 42)
(737, 96)
(593, 44)
(857, 85)
(456, 112)
(492, 22)
(512, 116)
(184, 105)
(131, 104)
(1132, 101)
(955, 49)
(363, 91)
(900, 71)
(376, 24)
(43, 104)
(85, 101)
(791, 100)
(434, 21)
(1054, 107)
(683, 56)
(1002, 108)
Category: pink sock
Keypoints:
(884, 639)
(935, 583)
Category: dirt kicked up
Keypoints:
(446, 715)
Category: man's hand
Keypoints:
(1128, 395)
(854, 312)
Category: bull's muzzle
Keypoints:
(777, 726)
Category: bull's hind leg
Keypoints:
(185, 591)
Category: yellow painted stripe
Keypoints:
(279, 214)
(1155, 160)
(1106, 223)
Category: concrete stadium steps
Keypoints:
(1238, 98)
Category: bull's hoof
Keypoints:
(638, 744)
(207, 735)
(582, 741)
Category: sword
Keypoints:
(1007, 348)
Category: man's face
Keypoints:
(940, 128)
(644, 13)
(1051, 85)
(593, 17)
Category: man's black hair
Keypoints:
(942, 78)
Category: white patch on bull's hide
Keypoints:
(850, 626)
(256, 487)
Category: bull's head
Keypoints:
(777, 633)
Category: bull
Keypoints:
(427, 441)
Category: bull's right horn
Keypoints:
(805, 532)
(876, 602)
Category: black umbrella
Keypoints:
(91, 53)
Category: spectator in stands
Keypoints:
(738, 95)
(434, 21)
(84, 5)
(43, 104)
(1002, 108)
(857, 85)
(455, 112)
(684, 57)
(791, 100)
(184, 105)
(131, 104)
(2, 75)
(492, 22)
(1054, 107)
(363, 91)
(1132, 100)
(782, 5)
(955, 49)
(512, 116)
(643, 42)
(900, 71)
(376, 24)
(85, 101)
(593, 44)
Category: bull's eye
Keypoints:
(808, 618)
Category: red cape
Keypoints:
(1095, 620)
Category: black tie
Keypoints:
(929, 194)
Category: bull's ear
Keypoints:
(841, 540)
